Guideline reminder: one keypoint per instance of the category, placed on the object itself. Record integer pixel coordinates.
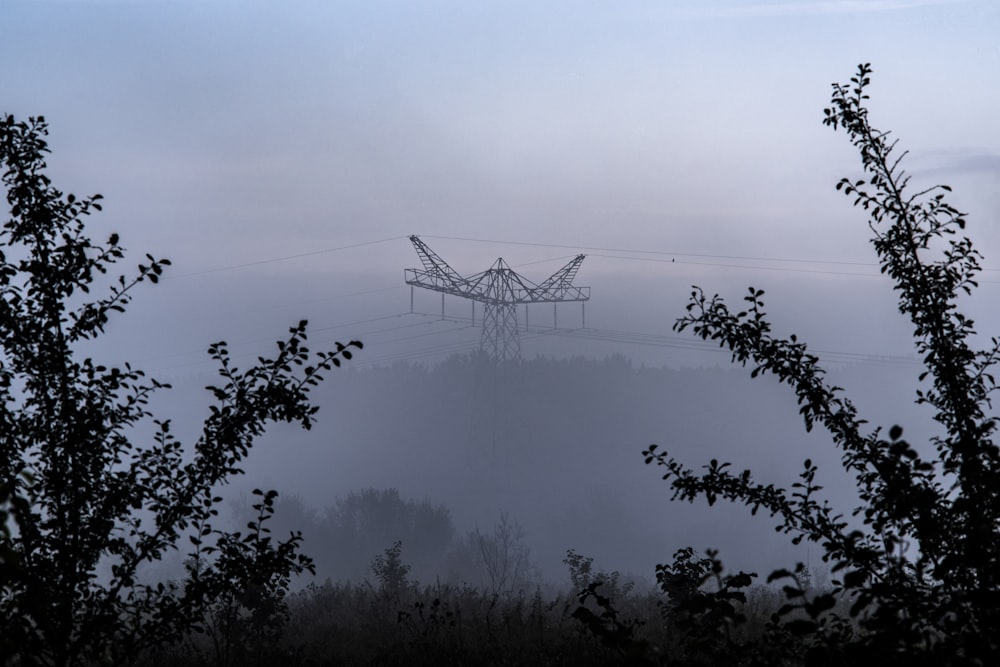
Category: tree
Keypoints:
(504, 556)
(84, 494)
(358, 526)
(919, 559)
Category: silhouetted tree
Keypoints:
(920, 559)
(357, 527)
(504, 556)
(88, 500)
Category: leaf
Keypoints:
(778, 574)
(820, 604)
(854, 579)
(800, 627)
(792, 592)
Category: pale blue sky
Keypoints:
(224, 133)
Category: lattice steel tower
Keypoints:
(500, 289)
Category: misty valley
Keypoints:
(555, 444)
(437, 499)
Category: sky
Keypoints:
(281, 153)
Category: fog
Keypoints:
(553, 442)
(281, 155)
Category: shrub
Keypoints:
(920, 562)
(84, 494)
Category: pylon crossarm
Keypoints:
(565, 293)
(563, 276)
(521, 284)
(559, 286)
(434, 265)
(498, 284)
(480, 285)
(433, 280)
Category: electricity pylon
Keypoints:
(500, 289)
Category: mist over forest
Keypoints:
(552, 443)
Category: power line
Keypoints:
(433, 350)
(659, 340)
(271, 260)
(589, 334)
(438, 349)
(262, 339)
(352, 324)
(283, 258)
(404, 326)
(374, 290)
(443, 350)
(647, 252)
(430, 320)
(738, 266)
(681, 342)
(685, 254)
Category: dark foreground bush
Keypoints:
(88, 498)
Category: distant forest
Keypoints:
(426, 454)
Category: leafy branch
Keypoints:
(923, 566)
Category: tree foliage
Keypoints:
(919, 558)
(84, 501)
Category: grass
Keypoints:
(350, 624)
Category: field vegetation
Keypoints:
(595, 618)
